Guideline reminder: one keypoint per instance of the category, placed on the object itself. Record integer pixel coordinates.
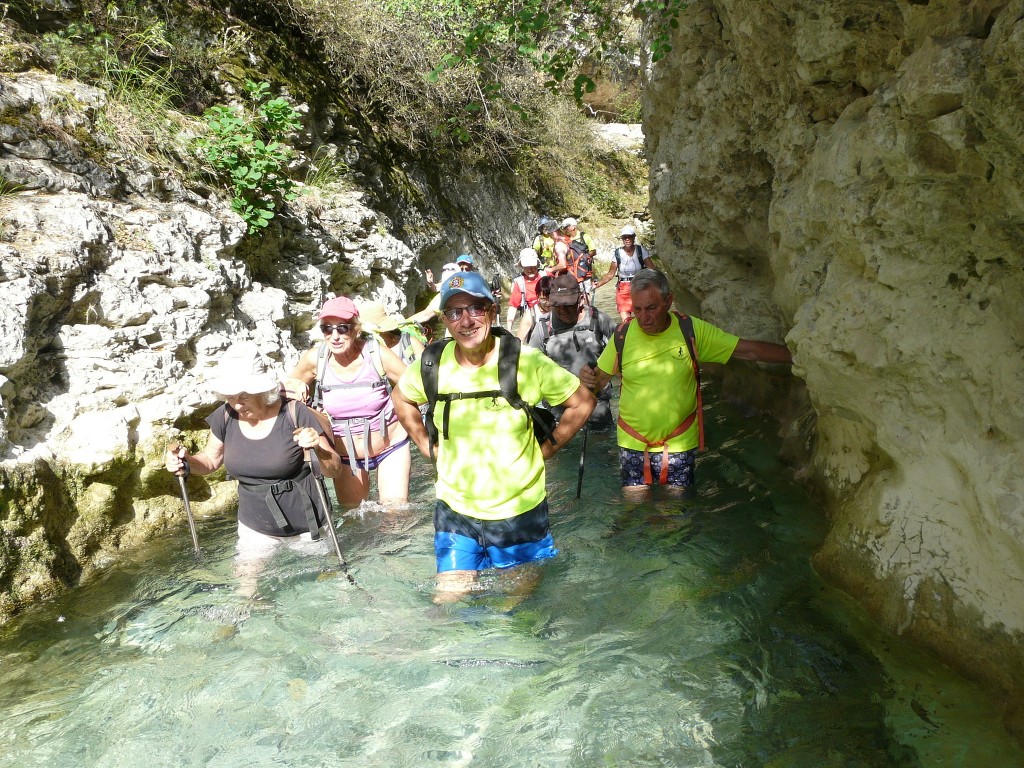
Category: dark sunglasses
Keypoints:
(327, 329)
(475, 310)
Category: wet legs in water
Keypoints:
(513, 584)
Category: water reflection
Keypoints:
(680, 632)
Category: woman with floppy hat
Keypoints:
(349, 377)
(401, 336)
(260, 441)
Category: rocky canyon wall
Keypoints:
(849, 176)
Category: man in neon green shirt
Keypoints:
(659, 407)
(491, 508)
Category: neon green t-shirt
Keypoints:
(544, 245)
(491, 467)
(658, 386)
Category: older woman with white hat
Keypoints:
(349, 376)
(260, 442)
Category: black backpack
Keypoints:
(508, 369)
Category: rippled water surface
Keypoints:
(685, 633)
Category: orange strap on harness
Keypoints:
(663, 443)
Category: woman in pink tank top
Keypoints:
(349, 377)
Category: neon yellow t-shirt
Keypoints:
(658, 386)
(544, 245)
(491, 467)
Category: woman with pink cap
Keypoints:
(349, 377)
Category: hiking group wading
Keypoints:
(488, 395)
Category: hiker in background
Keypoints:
(429, 314)
(574, 335)
(627, 260)
(524, 288)
(544, 242)
(657, 355)
(560, 254)
(580, 256)
(466, 263)
(259, 438)
(349, 377)
(541, 312)
(401, 336)
(491, 508)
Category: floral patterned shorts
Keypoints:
(680, 466)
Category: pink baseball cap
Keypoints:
(340, 307)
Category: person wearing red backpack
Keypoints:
(580, 256)
(657, 355)
(524, 287)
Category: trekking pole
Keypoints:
(326, 504)
(583, 453)
(174, 448)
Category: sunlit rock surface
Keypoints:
(849, 176)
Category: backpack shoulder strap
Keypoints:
(686, 327)
(429, 359)
(509, 347)
(620, 341)
(509, 350)
(322, 357)
(378, 361)
(290, 407)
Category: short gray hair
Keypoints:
(651, 278)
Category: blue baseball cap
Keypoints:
(464, 259)
(470, 283)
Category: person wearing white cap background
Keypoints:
(524, 287)
(627, 260)
(252, 436)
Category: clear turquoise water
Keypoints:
(686, 633)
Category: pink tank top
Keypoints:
(363, 398)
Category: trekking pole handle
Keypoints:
(176, 449)
(592, 364)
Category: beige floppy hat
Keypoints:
(372, 314)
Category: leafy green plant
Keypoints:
(557, 35)
(247, 148)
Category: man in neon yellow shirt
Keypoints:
(491, 508)
(659, 406)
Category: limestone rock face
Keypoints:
(847, 176)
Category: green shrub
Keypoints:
(247, 149)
